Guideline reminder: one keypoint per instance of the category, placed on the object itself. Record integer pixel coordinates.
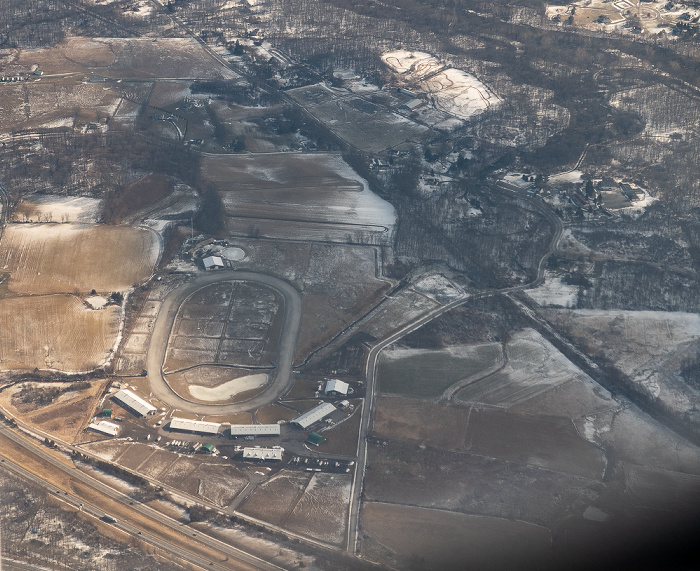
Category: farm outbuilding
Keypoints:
(134, 402)
(104, 427)
(196, 426)
(263, 454)
(315, 438)
(334, 387)
(255, 430)
(212, 263)
(314, 415)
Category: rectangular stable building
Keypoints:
(255, 430)
(104, 427)
(198, 426)
(314, 415)
(134, 402)
(263, 454)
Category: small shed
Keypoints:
(208, 448)
(315, 438)
(212, 263)
(106, 412)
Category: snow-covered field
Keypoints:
(554, 292)
(54, 208)
(227, 390)
(451, 90)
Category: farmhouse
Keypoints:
(336, 388)
(314, 415)
(194, 426)
(134, 402)
(263, 454)
(212, 263)
(255, 430)
(104, 427)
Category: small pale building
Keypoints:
(194, 426)
(213, 263)
(105, 427)
(336, 388)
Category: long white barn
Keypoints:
(134, 402)
(314, 415)
(198, 426)
(255, 430)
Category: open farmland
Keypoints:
(55, 332)
(533, 366)
(447, 540)
(363, 124)
(120, 58)
(427, 373)
(54, 208)
(319, 189)
(273, 500)
(321, 512)
(65, 258)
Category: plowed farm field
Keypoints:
(55, 332)
(69, 258)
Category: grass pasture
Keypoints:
(55, 332)
(273, 500)
(68, 258)
(425, 373)
(447, 540)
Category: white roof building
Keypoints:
(314, 415)
(134, 402)
(337, 387)
(108, 428)
(257, 453)
(255, 430)
(194, 426)
(212, 262)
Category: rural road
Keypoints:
(285, 351)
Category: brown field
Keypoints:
(405, 473)
(55, 332)
(429, 424)
(64, 258)
(551, 443)
(445, 540)
(319, 188)
(273, 500)
(321, 512)
(571, 399)
(65, 418)
(220, 484)
(138, 58)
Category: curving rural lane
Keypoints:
(285, 351)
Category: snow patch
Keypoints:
(228, 389)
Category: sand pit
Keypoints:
(229, 389)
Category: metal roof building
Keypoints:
(212, 262)
(194, 426)
(334, 386)
(257, 453)
(108, 428)
(134, 402)
(314, 415)
(255, 430)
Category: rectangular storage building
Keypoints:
(262, 454)
(197, 426)
(104, 427)
(134, 402)
(314, 415)
(255, 430)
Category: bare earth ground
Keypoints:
(55, 332)
(342, 438)
(65, 418)
(273, 500)
(448, 540)
(63, 258)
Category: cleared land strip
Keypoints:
(48, 468)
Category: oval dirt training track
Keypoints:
(164, 324)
